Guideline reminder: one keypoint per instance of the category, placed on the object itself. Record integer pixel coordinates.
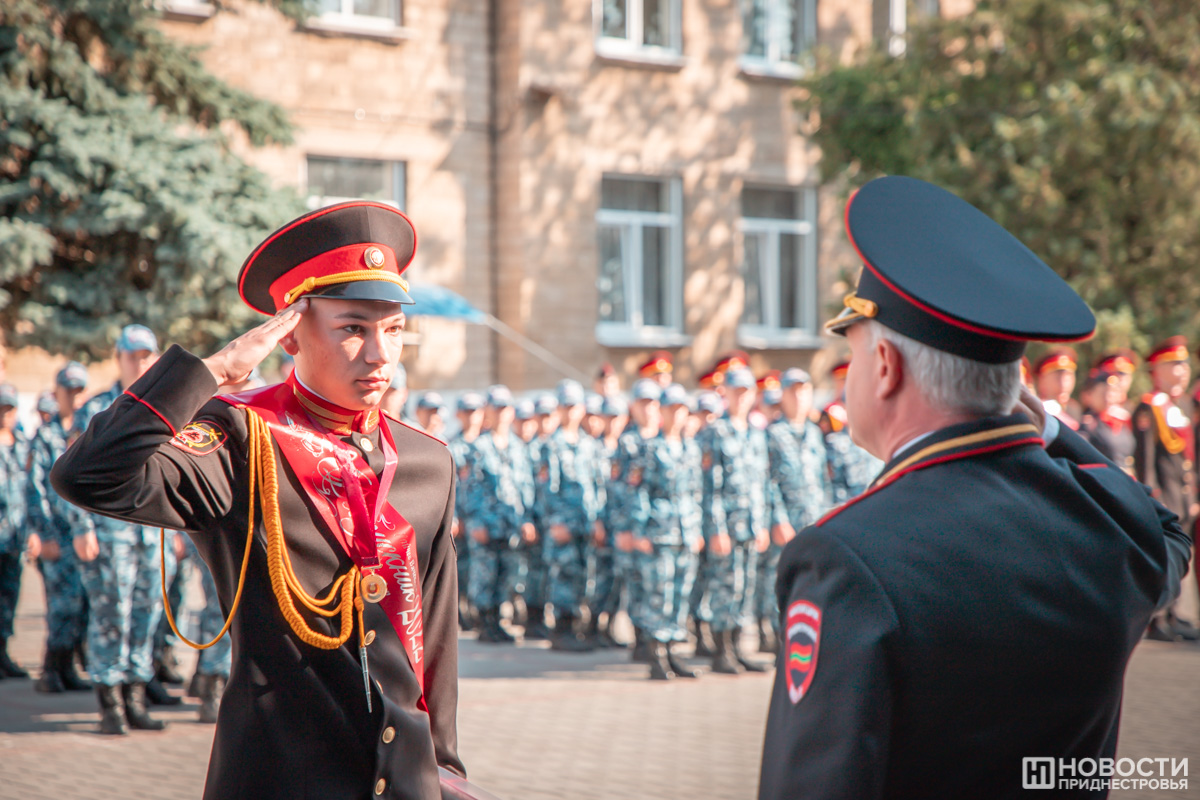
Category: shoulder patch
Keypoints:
(200, 439)
(803, 645)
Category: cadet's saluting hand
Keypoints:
(234, 362)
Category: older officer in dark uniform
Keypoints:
(978, 604)
(344, 679)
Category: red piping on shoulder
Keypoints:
(411, 427)
(939, 460)
(1092, 466)
(155, 410)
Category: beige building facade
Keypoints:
(605, 177)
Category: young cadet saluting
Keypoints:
(978, 604)
(329, 696)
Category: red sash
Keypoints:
(389, 544)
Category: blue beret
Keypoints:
(73, 376)
(710, 402)
(793, 376)
(471, 401)
(546, 403)
(431, 400)
(614, 406)
(674, 395)
(499, 396)
(46, 404)
(570, 393)
(137, 337)
(646, 389)
(772, 397)
(8, 395)
(526, 409)
(740, 378)
(594, 403)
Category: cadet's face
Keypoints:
(430, 419)
(69, 400)
(134, 365)
(8, 417)
(797, 400)
(1171, 377)
(1056, 385)
(347, 350)
(675, 417)
(740, 402)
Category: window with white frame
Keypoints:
(332, 180)
(382, 14)
(640, 241)
(777, 32)
(779, 265)
(638, 27)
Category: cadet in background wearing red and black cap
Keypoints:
(983, 597)
(1054, 379)
(1106, 424)
(1123, 364)
(1164, 455)
(660, 368)
(354, 507)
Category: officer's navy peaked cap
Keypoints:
(355, 250)
(940, 271)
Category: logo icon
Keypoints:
(1037, 772)
(374, 257)
(803, 645)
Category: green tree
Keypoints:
(120, 197)
(1073, 123)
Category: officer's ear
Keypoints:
(890, 369)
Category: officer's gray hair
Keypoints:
(951, 383)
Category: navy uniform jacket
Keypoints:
(293, 721)
(976, 606)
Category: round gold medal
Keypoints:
(374, 588)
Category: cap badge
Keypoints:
(374, 257)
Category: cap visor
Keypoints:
(842, 321)
(379, 291)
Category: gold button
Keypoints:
(380, 785)
(389, 733)
(374, 257)
(370, 637)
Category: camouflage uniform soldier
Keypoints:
(646, 419)
(12, 524)
(571, 512)
(709, 408)
(798, 492)
(497, 512)
(665, 488)
(544, 420)
(734, 463)
(213, 663)
(121, 573)
(56, 523)
(609, 567)
(462, 448)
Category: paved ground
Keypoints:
(533, 724)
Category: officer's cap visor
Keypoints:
(380, 291)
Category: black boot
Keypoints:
(211, 689)
(705, 644)
(8, 667)
(50, 681)
(768, 642)
(591, 633)
(487, 627)
(72, 681)
(112, 711)
(608, 637)
(565, 638)
(535, 626)
(678, 666)
(502, 636)
(157, 694)
(747, 664)
(135, 708)
(641, 648)
(660, 670)
(193, 689)
(1184, 629)
(1161, 631)
(724, 662)
(166, 667)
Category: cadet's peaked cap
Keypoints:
(355, 250)
(940, 271)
